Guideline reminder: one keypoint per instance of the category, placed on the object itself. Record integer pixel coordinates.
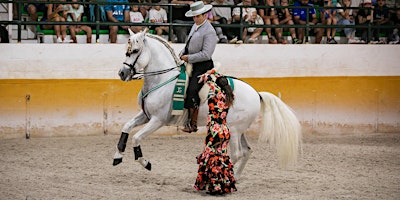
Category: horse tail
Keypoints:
(281, 128)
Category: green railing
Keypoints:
(97, 23)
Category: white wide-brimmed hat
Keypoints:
(197, 8)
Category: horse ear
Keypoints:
(146, 30)
(131, 32)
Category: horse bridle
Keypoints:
(142, 74)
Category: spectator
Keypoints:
(269, 16)
(223, 15)
(300, 17)
(221, 37)
(285, 17)
(74, 14)
(136, 16)
(249, 17)
(365, 17)
(158, 15)
(395, 20)
(144, 9)
(117, 13)
(178, 16)
(55, 13)
(345, 17)
(328, 17)
(4, 35)
(33, 8)
(381, 18)
(92, 14)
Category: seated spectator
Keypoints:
(144, 9)
(285, 17)
(345, 17)
(117, 13)
(74, 14)
(218, 30)
(381, 18)
(365, 17)
(223, 15)
(4, 35)
(158, 15)
(328, 17)
(300, 17)
(136, 16)
(178, 16)
(33, 8)
(249, 17)
(270, 17)
(395, 20)
(55, 13)
(92, 14)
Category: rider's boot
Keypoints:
(187, 127)
(193, 121)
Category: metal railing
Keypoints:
(98, 23)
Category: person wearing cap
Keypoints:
(198, 51)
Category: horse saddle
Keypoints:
(178, 99)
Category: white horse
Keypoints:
(151, 57)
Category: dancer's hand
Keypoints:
(203, 78)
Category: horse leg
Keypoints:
(148, 129)
(234, 145)
(238, 150)
(245, 155)
(139, 119)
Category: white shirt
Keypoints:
(159, 16)
(77, 12)
(136, 17)
(339, 16)
(245, 11)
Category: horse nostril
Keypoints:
(121, 74)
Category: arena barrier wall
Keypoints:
(74, 89)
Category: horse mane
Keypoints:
(178, 61)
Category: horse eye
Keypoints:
(135, 51)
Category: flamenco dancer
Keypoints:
(215, 173)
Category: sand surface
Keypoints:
(357, 166)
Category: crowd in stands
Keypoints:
(320, 12)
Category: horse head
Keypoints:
(136, 57)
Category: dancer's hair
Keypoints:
(222, 82)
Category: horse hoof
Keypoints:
(148, 166)
(117, 161)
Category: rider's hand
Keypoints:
(185, 58)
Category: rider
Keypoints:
(198, 51)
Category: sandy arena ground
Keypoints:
(365, 166)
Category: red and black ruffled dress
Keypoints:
(215, 172)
